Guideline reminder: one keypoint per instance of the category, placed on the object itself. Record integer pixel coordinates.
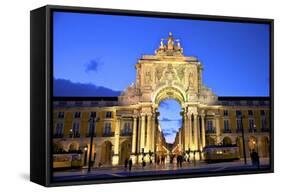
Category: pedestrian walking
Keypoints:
(126, 163)
(130, 164)
(143, 163)
(180, 160)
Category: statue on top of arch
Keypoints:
(170, 48)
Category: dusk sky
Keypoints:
(96, 54)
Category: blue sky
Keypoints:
(95, 55)
(170, 119)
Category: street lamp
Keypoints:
(256, 145)
(71, 134)
(85, 155)
(243, 139)
(92, 122)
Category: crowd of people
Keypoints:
(161, 160)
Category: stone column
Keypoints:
(195, 124)
(218, 129)
(190, 142)
(139, 133)
(186, 132)
(142, 136)
(115, 159)
(153, 134)
(139, 140)
(203, 130)
(199, 147)
(148, 131)
(180, 141)
(134, 140)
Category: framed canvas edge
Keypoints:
(49, 80)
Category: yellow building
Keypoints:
(127, 126)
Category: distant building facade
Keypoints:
(127, 126)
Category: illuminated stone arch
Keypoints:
(73, 146)
(106, 153)
(239, 143)
(169, 92)
(227, 141)
(252, 143)
(125, 151)
(264, 146)
(210, 140)
(57, 147)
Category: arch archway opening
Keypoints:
(125, 151)
(210, 140)
(227, 141)
(169, 93)
(264, 147)
(253, 144)
(170, 119)
(106, 153)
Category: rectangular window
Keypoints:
(250, 113)
(77, 114)
(108, 114)
(61, 115)
(93, 114)
(91, 128)
(107, 128)
(239, 125)
(238, 113)
(263, 123)
(225, 113)
(210, 126)
(251, 123)
(75, 129)
(59, 129)
(127, 128)
(252, 127)
(226, 125)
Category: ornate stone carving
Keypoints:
(180, 72)
(147, 78)
(170, 74)
(159, 73)
(190, 80)
(168, 68)
(170, 49)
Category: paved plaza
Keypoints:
(197, 167)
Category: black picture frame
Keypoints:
(41, 90)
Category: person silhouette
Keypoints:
(126, 163)
(130, 164)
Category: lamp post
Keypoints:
(256, 144)
(243, 140)
(71, 133)
(92, 122)
(85, 156)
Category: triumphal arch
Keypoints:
(128, 126)
(169, 75)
